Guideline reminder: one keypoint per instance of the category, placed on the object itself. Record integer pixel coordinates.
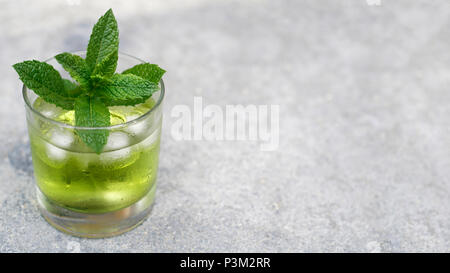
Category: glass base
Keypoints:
(96, 225)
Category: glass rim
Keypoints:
(62, 124)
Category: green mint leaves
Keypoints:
(151, 72)
(46, 82)
(104, 42)
(126, 89)
(76, 66)
(92, 112)
(97, 85)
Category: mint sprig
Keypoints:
(97, 85)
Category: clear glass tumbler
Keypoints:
(95, 195)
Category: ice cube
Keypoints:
(54, 156)
(138, 129)
(55, 153)
(117, 159)
(47, 109)
(121, 114)
(61, 137)
(117, 140)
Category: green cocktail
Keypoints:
(91, 194)
(78, 179)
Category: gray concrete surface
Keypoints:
(364, 92)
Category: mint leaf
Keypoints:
(72, 89)
(92, 112)
(61, 101)
(125, 89)
(45, 81)
(107, 66)
(69, 86)
(104, 40)
(76, 66)
(151, 72)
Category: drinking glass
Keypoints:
(87, 194)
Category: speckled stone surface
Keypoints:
(363, 163)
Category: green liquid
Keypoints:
(91, 183)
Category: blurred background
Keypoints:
(363, 89)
